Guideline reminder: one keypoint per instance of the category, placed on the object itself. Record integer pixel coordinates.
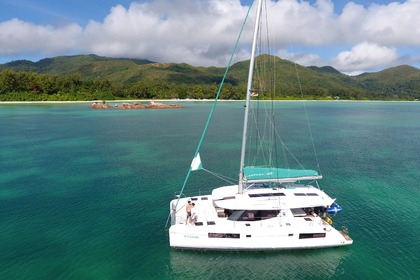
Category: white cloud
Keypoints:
(395, 23)
(198, 34)
(365, 56)
(306, 59)
(17, 36)
(204, 32)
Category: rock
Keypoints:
(129, 106)
(137, 105)
(97, 105)
(157, 105)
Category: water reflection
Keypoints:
(312, 264)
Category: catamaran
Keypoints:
(270, 208)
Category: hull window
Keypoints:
(311, 235)
(223, 235)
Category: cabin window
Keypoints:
(299, 194)
(205, 198)
(311, 235)
(223, 235)
(235, 215)
(312, 194)
(211, 223)
(252, 215)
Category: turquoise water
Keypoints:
(84, 193)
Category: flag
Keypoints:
(196, 163)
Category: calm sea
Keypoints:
(84, 194)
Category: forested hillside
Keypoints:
(91, 77)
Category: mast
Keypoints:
(248, 97)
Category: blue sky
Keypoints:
(352, 36)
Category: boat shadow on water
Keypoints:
(315, 264)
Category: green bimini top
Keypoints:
(271, 174)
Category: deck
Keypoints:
(345, 235)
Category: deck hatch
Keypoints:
(266, 194)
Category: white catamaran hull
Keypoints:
(286, 231)
(250, 240)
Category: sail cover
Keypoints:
(271, 174)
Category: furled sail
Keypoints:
(271, 174)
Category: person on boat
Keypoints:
(325, 213)
(188, 209)
(193, 214)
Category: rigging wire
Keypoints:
(220, 176)
(306, 113)
(213, 107)
(265, 128)
(268, 147)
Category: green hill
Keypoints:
(127, 77)
(396, 82)
(93, 67)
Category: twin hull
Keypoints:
(285, 231)
(185, 237)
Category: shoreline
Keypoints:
(100, 101)
(184, 100)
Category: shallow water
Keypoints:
(84, 194)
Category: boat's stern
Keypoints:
(178, 211)
(189, 234)
(345, 233)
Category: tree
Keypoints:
(8, 81)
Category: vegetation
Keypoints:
(91, 77)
